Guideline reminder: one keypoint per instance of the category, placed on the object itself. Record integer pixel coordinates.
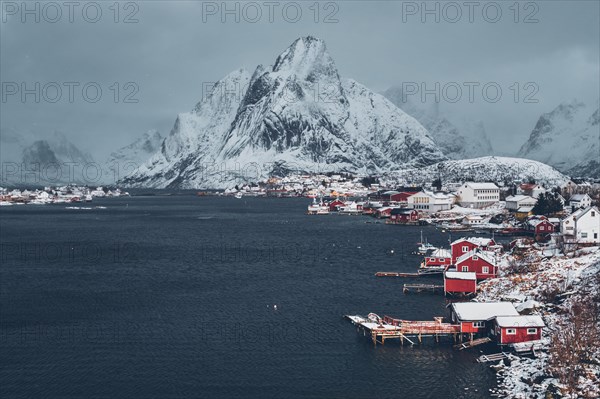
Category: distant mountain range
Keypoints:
(457, 138)
(567, 138)
(299, 115)
(295, 115)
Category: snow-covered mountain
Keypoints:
(484, 169)
(35, 159)
(458, 138)
(127, 159)
(296, 115)
(567, 138)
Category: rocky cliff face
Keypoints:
(567, 138)
(296, 115)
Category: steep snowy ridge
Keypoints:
(297, 115)
(567, 138)
(457, 138)
(498, 169)
(129, 157)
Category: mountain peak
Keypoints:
(305, 57)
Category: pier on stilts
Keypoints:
(422, 288)
(384, 328)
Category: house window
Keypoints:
(465, 249)
(478, 324)
(511, 331)
(583, 235)
(475, 257)
(593, 213)
(485, 270)
(542, 228)
(465, 268)
(532, 331)
(595, 236)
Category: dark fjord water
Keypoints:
(172, 297)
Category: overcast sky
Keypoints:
(175, 46)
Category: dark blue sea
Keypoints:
(173, 297)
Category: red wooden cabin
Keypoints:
(439, 257)
(333, 205)
(516, 329)
(460, 283)
(477, 317)
(403, 215)
(383, 213)
(468, 244)
(482, 263)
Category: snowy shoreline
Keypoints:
(549, 287)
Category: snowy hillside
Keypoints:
(458, 138)
(567, 138)
(127, 159)
(498, 169)
(297, 115)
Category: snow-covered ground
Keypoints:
(549, 287)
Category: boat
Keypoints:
(238, 195)
(424, 246)
(88, 198)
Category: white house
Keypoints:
(582, 226)
(515, 202)
(431, 202)
(580, 201)
(530, 189)
(478, 195)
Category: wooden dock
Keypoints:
(411, 331)
(470, 344)
(396, 274)
(493, 358)
(422, 288)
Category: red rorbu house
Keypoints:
(477, 318)
(517, 329)
(384, 212)
(540, 227)
(403, 216)
(465, 245)
(482, 263)
(438, 258)
(460, 283)
(335, 204)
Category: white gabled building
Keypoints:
(431, 202)
(578, 201)
(582, 226)
(515, 202)
(478, 195)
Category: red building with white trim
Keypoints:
(517, 329)
(477, 318)
(482, 263)
(464, 245)
(404, 215)
(460, 283)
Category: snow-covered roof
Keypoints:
(480, 241)
(517, 198)
(441, 253)
(578, 197)
(520, 321)
(477, 311)
(461, 275)
(485, 255)
(482, 186)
